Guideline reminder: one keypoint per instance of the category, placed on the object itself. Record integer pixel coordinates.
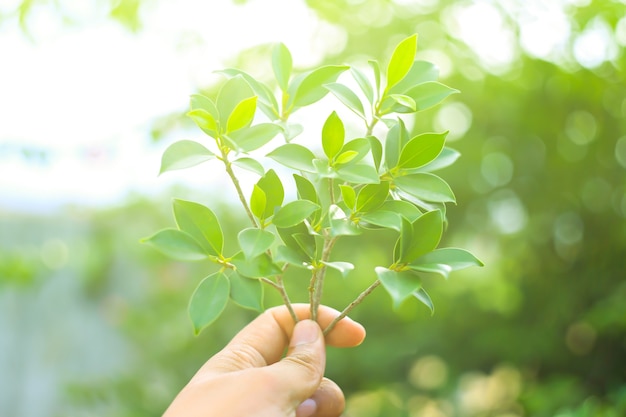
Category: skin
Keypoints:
(249, 378)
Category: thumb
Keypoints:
(301, 371)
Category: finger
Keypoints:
(347, 332)
(327, 401)
(263, 341)
(300, 373)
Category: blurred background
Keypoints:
(92, 323)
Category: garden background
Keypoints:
(92, 323)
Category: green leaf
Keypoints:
(250, 164)
(184, 154)
(425, 236)
(254, 242)
(333, 135)
(447, 157)
(377, 150)
(421, 150)
(344, 268)
(345, 158)
(404, 208)
(371, 196)
(258, 202)
(259, 267)
(429, 94)
(306, 189)
(177, 244)
(427, 187)
(208, 300)
(205, 121)
(274, 192)
(294, 156)
(347, 97)
(361, 146)
(348, 196)
(423, 296)
(267, 102)
(399, 285)
(401, 61)
(420, 72)
(198, 101)
(364, 83)
(251, 138)
(246, 292)
(382, 218)
(402, 100)
(294, 212)
(293, 257)
(397, 137)
(201, 223)
(282, 65)
(359, 173)
(445, 260)
(309, 88)
(307, 244)
(242, 114)
(234, 91)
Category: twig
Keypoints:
(350, 306)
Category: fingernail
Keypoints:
(307, 408)
(306, 331)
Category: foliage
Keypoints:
(357, 184)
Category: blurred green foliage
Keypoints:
(541, 188)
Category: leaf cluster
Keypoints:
(353, 184)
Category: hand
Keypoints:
(248, 378)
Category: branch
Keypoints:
(350, 306)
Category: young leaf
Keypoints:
(184, 154)
(254, 242)
(198, 101)
(246, 292)
(371, 196)
(201, 223)
(251, 138)
(294, 213)
(429, 94)
(267, 102)
(344, 268)
(423, 296)
(177, 244)
(399, 285)
(402, 100)
(397, 137)
(208, 300)
(274, 192)
(348, 196)
(445, 260)
(310, 87)
(364, 83)
(345, 158)
(258, 202)
(242, 114)
(205, 121)
(377, 150)
(421, 150)
(425, 236)
(427, 187)
(401, 61)
(359, 173)
(234, 91)
(361, 146)
(282, 65)
(420, 72)
(340, 224)
(250, 164)
(306, 189)
(333, 135)
(347, 97)
(376, 68)
(294, 156)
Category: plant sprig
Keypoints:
(356, 184)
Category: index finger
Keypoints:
(263, 341)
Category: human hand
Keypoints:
(248, 378)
